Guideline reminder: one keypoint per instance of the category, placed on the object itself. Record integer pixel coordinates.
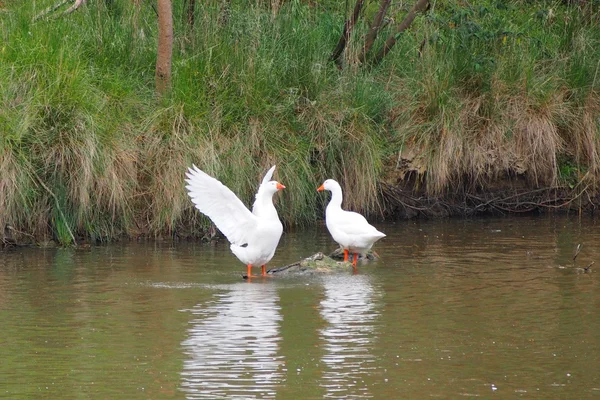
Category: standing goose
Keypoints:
(254, 236)
(349, 229)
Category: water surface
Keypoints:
(454, 308)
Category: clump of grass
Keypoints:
(83, 180)
(494, 98)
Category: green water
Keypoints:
(479, 308)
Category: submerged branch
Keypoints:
(577, 251)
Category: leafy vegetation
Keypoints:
(475, 91)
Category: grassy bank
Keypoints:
(500, 91)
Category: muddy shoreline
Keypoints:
(400, 202)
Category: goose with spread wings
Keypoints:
(254, 236)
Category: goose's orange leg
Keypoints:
(250, 272)
(263, 270)
(345, 255)
(354, 259)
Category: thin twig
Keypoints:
(577, 251)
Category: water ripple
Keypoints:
(233, 345)
(349, 308)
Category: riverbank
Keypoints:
(474, 102)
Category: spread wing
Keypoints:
(221, 205)
(268, 175)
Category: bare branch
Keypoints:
(74, 7)
(58, 5)
(374, 29)
(50, 9)
(420, 6)
(348, 26)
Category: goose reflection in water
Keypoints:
(233, 345)
(350, 309)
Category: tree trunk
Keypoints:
(420, 6)
(165, 47)
(348, 26)
(374, 29)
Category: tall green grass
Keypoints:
(87, 150)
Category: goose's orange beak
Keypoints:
(320, 188)
(280, 186)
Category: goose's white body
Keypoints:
(254, 236)
(349, 229)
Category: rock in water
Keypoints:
(318, 263)
(338, 254)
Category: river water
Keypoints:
(491, 307)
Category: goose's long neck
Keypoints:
(336, 197)
(263, 205)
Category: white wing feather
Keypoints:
(221, 205)
(353, 223)
(268, 175)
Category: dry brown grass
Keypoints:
(476, 141)
(168, 148)
(116, 182)
(11, 208)
(585, 140)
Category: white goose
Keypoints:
(349, 229)
(254, 236)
